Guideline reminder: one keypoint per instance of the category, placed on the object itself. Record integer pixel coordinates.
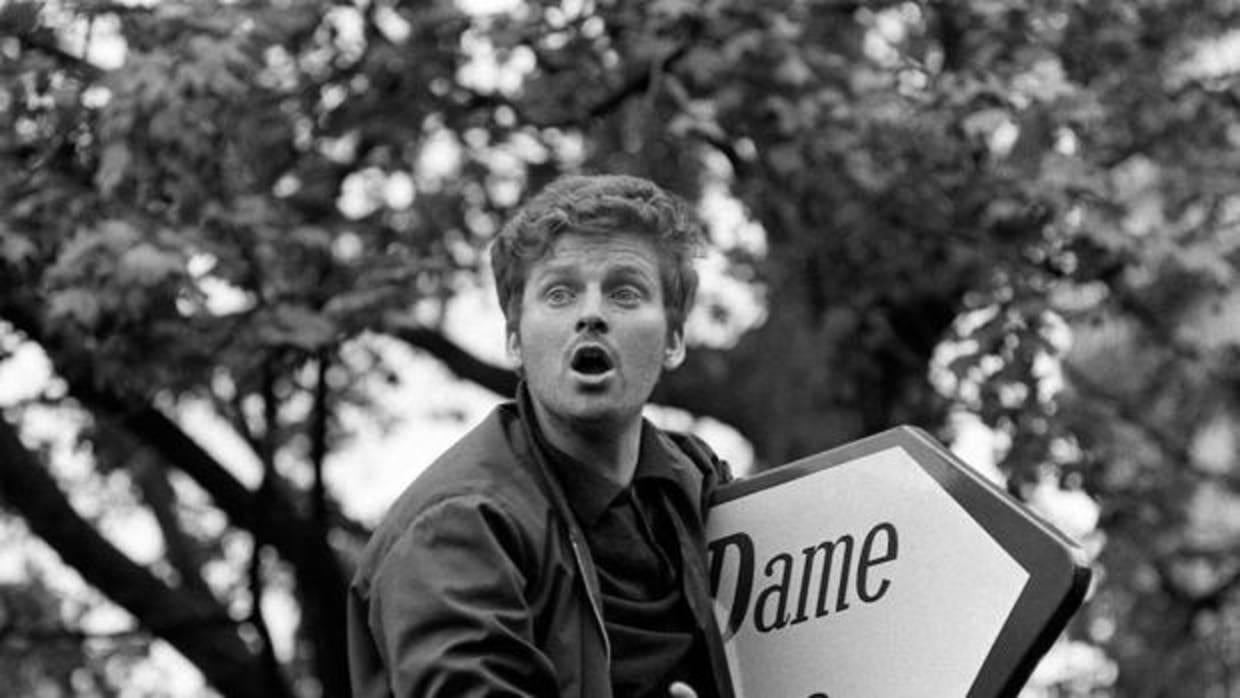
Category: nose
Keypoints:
(591, 323)
(592, 318)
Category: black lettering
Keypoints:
(880, 546)
(780, 590)
(810, 554)
(841, 598)
(867, 561)
(744, 578)
(807, 571)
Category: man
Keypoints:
(558, 548)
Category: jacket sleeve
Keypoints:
(447, 608)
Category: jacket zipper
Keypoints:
(598, 615)
(565, 513)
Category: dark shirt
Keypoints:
(634, 545)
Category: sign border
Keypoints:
(1058, 574)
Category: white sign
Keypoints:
(863, 574)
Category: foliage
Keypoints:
(1024, 211)
(41, 655)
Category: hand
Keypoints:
(681, 690)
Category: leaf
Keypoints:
(75, 304)
(15, 248)
(1045, 81)
(146, 264)
(296, 325)
(669, 10)
(741, 43)
(702, 63)
(353, 305)
(311, 236)
(251, 210)
(863, 170)
(794, 71)
(214, 69)
(984, 122)
(18, 18)
(1215, 322)
(92, 247)
(785, 159)
(113, 163)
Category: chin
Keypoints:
(600, 414)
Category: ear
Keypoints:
(513, 345)
(674, 354)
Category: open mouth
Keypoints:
(591, 361)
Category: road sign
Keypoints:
(886, 568)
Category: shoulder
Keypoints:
(699, 470)
(484, 479)
(712, 467)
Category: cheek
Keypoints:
(651, 343)
(540, 341)
(535, 328)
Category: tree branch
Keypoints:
(184, 554)
(320, 420)
(165, 437)
(497, 379)
(272, 677)
(321, 582)
(68, 60)
(218, 651)
(36, 636)
(328, 647)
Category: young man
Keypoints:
(558, 548)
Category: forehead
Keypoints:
(613, 251)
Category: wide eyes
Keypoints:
(559, 295)
(625, 295)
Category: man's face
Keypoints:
(593, 335)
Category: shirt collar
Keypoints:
(589, 491)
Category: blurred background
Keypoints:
(243, 295)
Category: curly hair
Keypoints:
(600, 205)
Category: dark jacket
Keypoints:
(478, 582)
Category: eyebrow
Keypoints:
(625, 269)
(553, 271)
(632, 271)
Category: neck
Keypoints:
(610, 447)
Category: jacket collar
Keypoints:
(589, 492)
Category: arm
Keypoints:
(448, 611)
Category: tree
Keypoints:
(39, 655)
(964, 207)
